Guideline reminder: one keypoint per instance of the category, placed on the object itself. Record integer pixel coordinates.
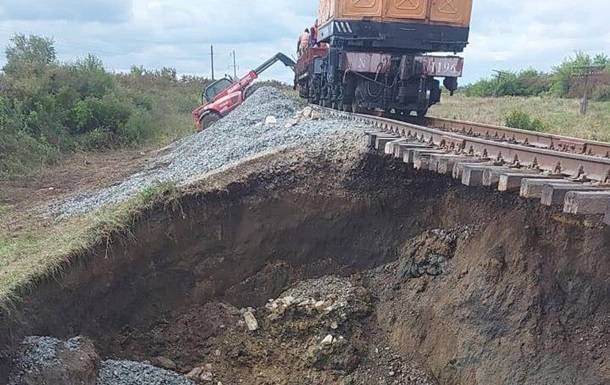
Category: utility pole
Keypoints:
(586, 73)
(234, 66)
(212, 58)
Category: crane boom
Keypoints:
(288, 62)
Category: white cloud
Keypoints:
(540, 34)
(94, 10)
(177, 33)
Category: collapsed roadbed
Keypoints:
(378, 274)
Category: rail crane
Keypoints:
(369, 56)
(373, 56)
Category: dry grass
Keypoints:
(560, 116)
(31, 249)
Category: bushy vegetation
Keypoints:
(522, 120)
(535, 83)
(49, 108)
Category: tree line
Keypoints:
(49, 108)
(565, 80)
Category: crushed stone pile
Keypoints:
(49, 361)
(135, 373)
(318, 331)
(267, 120)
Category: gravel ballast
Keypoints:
(240, 135)
(135, 373)
(49, 361)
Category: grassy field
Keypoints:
(560, 116)
(31, 248)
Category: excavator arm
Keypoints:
(288, 62)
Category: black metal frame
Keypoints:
(402, 89)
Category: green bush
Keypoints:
(49, 108)
(535, 83)
(524, 83)
(564, 73)
(522, 120)
(601, 93)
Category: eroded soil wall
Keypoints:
(524, 300)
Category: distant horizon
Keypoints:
(286, 80)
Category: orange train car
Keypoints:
(377, 54)
(423, 25)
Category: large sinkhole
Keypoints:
(427, 281)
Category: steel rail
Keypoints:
(556, 162)
(535, 139)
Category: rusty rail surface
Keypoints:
(517, 136)
(523, 147)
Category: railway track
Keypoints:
(527, 138)
(555, 169)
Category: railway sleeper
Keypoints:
(390, 148)
(458, 168)
(511, 182)
(446, 162)
(531, 188)
(382, 141)
(374, 136)
(401, 149)
(555, 194)
(491, 176)
(473, 174)
(422, 160)
(587, 202)
(577, 198)
(411, 155)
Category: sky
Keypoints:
(505, 35)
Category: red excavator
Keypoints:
(225, 95)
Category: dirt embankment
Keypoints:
(450, 285)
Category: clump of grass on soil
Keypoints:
(33, 251)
